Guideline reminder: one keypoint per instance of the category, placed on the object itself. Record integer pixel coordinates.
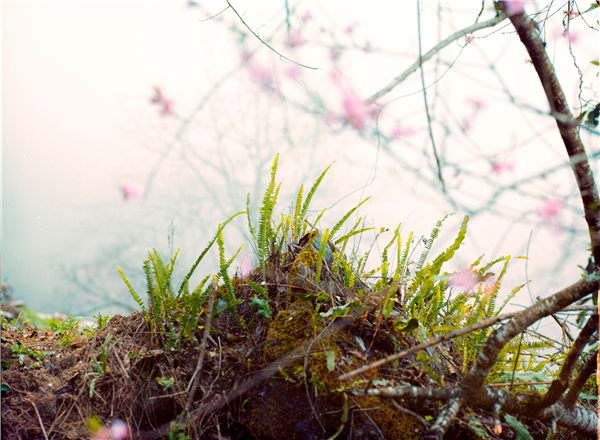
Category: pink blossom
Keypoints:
(501, 166)
(118, 431)
(292, 71)
(550, 209)
(260, 74)
(399, 130)
(296, 39)
(306, 16)
(571, 14)
(570, 35)
(350, 28)
(478, 103)
(335, 76)
(469, 38)
(514, 6)
(356, 110)
(167, 107)
(245, 265)
(130, 190)
(465, 279)
(166, 104)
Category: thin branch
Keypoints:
(430, 130)
(265, 43)
(438, 47)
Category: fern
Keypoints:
(300, 213)
(205, 250)
(322, 247)
(265, 230)
(224, 266)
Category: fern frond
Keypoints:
(339, 224)
(300, 220)
(131, 290)
(322, 248)
(205, 250)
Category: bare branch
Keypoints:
(434, 50)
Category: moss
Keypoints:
(393, 423)
(289, 327)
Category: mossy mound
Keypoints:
(261, 378)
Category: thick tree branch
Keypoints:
(568, 126)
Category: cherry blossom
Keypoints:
(469, 38)
(245, 265)
(514, 6)
(306, 16)
(465, 279)
(570, 35)
(399, 131)
(356, 111)
(165, 103)
(501, 166)
(550, 210)
(296, 39)
(130, 190)
(118, 431)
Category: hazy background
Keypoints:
(77, 79)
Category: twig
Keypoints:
(428, 55)
(429, 129)
(265, 43)
(194, 381)
(37, 413)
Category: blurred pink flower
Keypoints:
(130, 190)
(260, 74)
(465, 279)
(469, 38)
(245, 265)
(167, 107)
(350, 28)
(514, 6)
(306, 16)
(292, 71)
(501, 166)
(478, 103)
(296, 39)
(166, 104)
(550, 209)
(356, 110)
(572, 13)
(335, 76)
(118, 431)
(570, 35)
(399, 130)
